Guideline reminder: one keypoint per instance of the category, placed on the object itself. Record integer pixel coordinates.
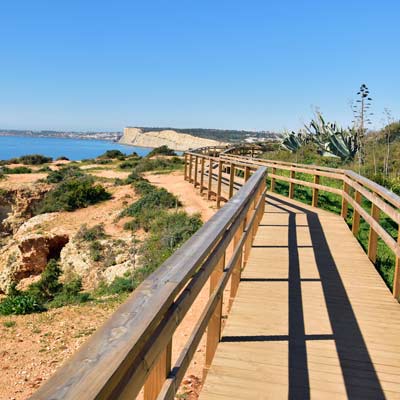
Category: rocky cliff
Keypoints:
(172, 139)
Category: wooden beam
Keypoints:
(185, 164)
(291, 184)
(315, 192)
(231, 180)
(158, 374)
(237, 270)
(396, 277)
(196, 166)
(214, 326)
(345, 205)
(209, 190)
(190, 168)
(246, 173)
(202, 174)
(219, 182)
(373, 236)
(356, 215)
(273, 180)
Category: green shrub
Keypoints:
(95, 249)
(72, 194)
(167, 233)
(48, 285)
(34, 159)
(158, 164)
(91, 234)
(120, 284)
(16, 170)
(154, 199)
(162, 150)
(68, 172)
(62, 158)
(129, 164)
(113, 154)
(23, 303)
(70, 294)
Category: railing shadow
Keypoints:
(359, 375)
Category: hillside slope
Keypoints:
(170, 138)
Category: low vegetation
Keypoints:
(47, 292)
(162, 150)
(15, 170)
(71, 194)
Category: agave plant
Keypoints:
(342, 144)
(331, 139)
(292, 141)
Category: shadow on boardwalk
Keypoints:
(359, 375)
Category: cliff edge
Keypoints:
(172, 139)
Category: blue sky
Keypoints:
(102, 65)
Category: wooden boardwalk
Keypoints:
(312, 317)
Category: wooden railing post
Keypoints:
(196, 164)
(315, 192)
(246, 173)
(158, 374)
(373, 236)
(273, 180)
(237, 271)
(396, 277)
(291, 184)
(231, 179)
(214, 326)
(185, 164)
(345, 205)
(219, 183)
(190, 168)
(356, 215)
(202, 175)
(209, 178)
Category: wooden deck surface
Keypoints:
(312, 317)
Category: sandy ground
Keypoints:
(32, 347)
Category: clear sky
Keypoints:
(102, 65)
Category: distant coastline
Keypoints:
(109, 136)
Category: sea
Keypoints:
(74, 149)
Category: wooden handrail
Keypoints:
(133, 348)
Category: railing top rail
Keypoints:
(102, 366)
(377, 189)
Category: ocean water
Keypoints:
(74, 149)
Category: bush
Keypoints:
(47, 292)
(70, 294)
(129, 164)
(120, 284)
(16, 170)
(162, 150)
(62, 158)
(167, 233)
(48, 285)
(113, 154)
(34, 159)
(72, 194)
(91, 234)
(22, 303)
(64, 173)
(158, 164)
(153, 199)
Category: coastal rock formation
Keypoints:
(172, 139)
(17, 205)
(106, 260)
(28, 255)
